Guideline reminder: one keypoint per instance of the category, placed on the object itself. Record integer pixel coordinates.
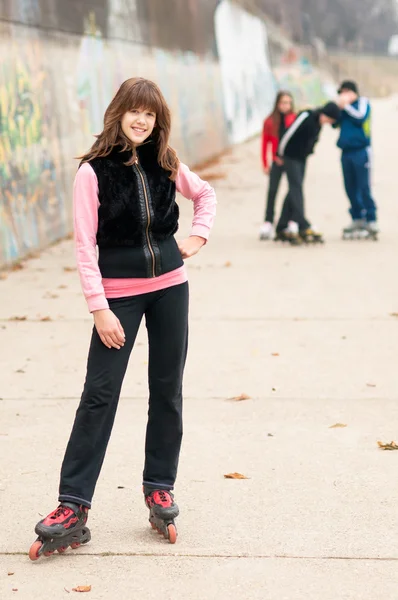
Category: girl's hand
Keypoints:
(190, 246)
(279, 161)
(267, 170)
(109, 328)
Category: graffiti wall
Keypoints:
(309, 85)
(248, 83)
(218, 65)
(55, 85)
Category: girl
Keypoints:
(125, 203)
(274, 128)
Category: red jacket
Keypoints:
(269, 137)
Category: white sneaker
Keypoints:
(292, 228)
(267, 231)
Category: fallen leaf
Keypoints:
(275, 354)
(18, 318)
(9, 574)
(344, 337)
(69, 269)
(20, 371)
(45, 319)
(235, 476)
(121, 487)
(82, 588)
(371, 385)
(50, 296)
(270, 435)
(241, 398)
(393, 314)
(14, 589)
(228, 264)
(17, 267)
(67, 590)
(337, 426)
(390, 446)
(274, 389)
(62, 287)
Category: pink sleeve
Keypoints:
(85, 219)
(204, 200)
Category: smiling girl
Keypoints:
(125, 203)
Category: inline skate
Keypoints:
(162, 512)
(311, 236)
(266, 231)
(290, 234)
(65, 526)
(356, 230)
(373, 230)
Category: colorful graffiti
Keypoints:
(32, 209)
(309, 86)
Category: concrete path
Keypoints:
(306, 332)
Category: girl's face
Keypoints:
(285, 105)
(138, 124)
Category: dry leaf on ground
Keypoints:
(228, 264)
(9, 574)
(18, 318)
(241, 398)
(45, 319)
(275, 354)
(62, 287)
(235, 476)
(82, 588)
(337, 426)
(371, 385)
(393, 314)
(390, 446)
(69, 269)
(17, 267)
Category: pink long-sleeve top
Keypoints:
(85, 216)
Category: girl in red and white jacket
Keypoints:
(274, 128)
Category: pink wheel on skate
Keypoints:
(34, 550)
(62, 549)
(172, 531)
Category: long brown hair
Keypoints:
(275, 116)
(136, 93)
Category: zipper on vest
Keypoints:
(148, 213)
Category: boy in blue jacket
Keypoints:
(355, 143)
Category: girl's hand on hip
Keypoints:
(109, 328)
(190, 246)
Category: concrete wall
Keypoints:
(61, 62)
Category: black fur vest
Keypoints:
(137, 216)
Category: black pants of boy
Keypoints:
(293, 207)
(274, 180)
(166, 315)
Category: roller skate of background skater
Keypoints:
(296, 145)
(295, 237)
(356, 160)
(275, 126)
(64, 527)
(124, 202)
(162, 512)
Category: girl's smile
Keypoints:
(137, 125)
